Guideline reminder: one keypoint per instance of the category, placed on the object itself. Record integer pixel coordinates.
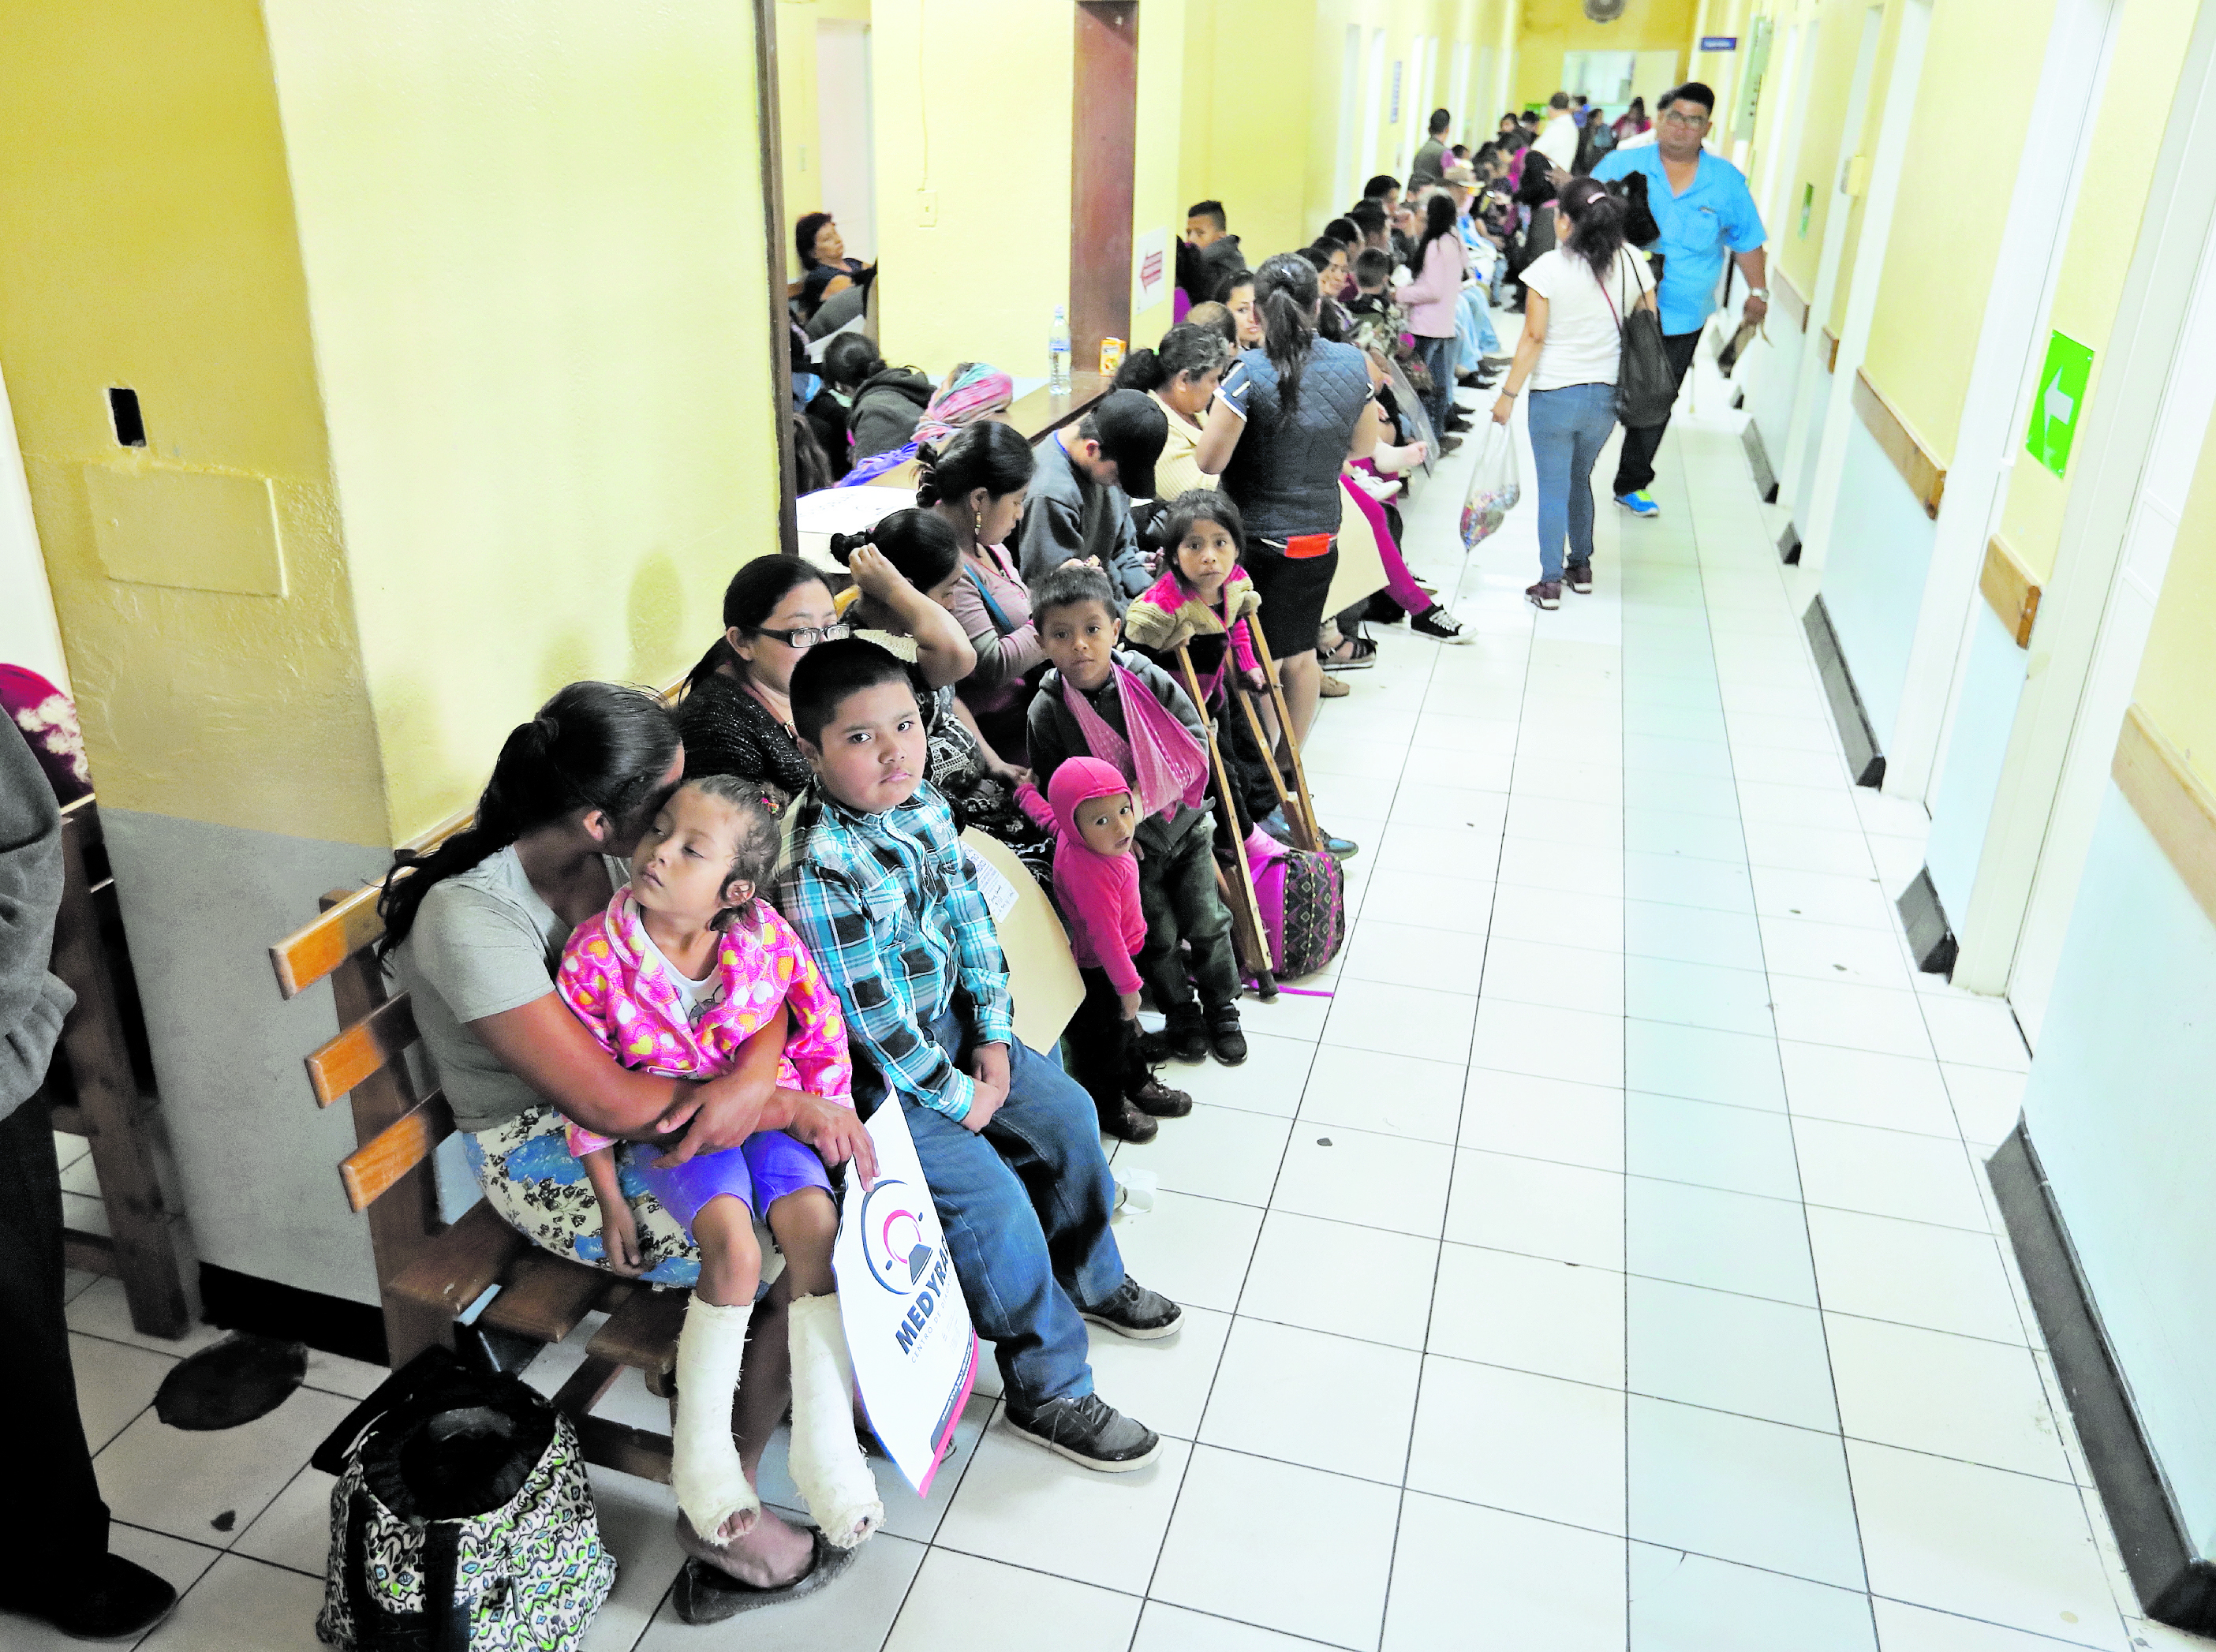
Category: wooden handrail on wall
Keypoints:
(1786, 300)
(2175, 803)
(1830, 349)
(2010, 590)
(1925, 475)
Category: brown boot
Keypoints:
(1127, 1123)
(1157, 1099)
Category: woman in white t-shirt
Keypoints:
(1575, 297)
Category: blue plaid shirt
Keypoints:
(890, 908)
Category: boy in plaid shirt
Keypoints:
(880, 890)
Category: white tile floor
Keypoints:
(1603, 1262)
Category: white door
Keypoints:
(844, 144)
(29, 636)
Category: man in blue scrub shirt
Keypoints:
(1700, 204)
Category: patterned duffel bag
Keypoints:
(462, 1520)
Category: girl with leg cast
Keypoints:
(680, 970)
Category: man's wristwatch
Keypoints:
(1761, 292)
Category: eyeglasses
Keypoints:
(1671, 117)
(808, 636)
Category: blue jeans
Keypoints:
(1474, 327)
(1025, 1205)
(1569, 427)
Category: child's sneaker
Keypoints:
(1186, 1034)
(1224, 1036)
(1547, 594)
(1579, 577)
(1156, 1098)
(1127, 1123)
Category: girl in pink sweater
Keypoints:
(1089, 809)
(681, 969)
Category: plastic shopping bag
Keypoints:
(1493, 487)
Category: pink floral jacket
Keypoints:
(625, 997)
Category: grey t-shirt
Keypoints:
(483, 942)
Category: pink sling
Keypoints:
(1159, 753)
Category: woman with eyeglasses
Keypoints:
(735, 718)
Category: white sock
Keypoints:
(704, 1466)
(825, 1458)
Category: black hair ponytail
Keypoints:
(918, 543)
(594, 745)
(750, 598)
(1597, 216)
(1286, 292)
(990, 455)
(1142, 370)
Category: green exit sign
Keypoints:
(2059, 403)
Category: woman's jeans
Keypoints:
(1439, 361)
(1569, 427)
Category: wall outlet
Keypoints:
(927, 208)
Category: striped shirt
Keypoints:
(891, 909)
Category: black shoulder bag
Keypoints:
(1646, 389)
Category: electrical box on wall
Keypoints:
(156, 524)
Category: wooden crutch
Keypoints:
(1303, 834)
(1246, 904)
(1292, 741)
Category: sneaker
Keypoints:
(1338, 849)
(1449, 445)
(1128, 1124)
(1157, 1099)
(1547, 594)
(1436, 621)
(1640, 504)
(1086, 1429)
(1333, 688)
(1224, 1036)
(1187, 1033)
(1133, 1311)
(1154, 1048)
(1579, 576)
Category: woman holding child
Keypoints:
(475, 931)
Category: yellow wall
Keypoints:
(1815, 166)
(2178, 674)
(146, 238)
(1981, 68)
(1158, 202)
(2143, 70)
(1548, 28)
(535, 263)
(977, 109)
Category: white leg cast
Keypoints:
(826, 1461)
(703, 1465)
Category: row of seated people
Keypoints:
(676, 958)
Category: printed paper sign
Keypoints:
(908, 1327)
(1150, 269)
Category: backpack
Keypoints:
(1646, 387)
(461, 1521)
(1303, 897)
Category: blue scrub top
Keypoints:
(1715, 217)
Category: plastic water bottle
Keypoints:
(1057, 354)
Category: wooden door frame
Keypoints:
(1103, 119)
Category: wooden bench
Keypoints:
(429, 1271)
(102, 1086)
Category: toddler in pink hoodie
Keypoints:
(1089, 809)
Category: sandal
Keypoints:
(1352, 654)
(706, 1593)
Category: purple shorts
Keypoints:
(758, 1172)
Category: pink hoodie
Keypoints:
(1099, 894)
